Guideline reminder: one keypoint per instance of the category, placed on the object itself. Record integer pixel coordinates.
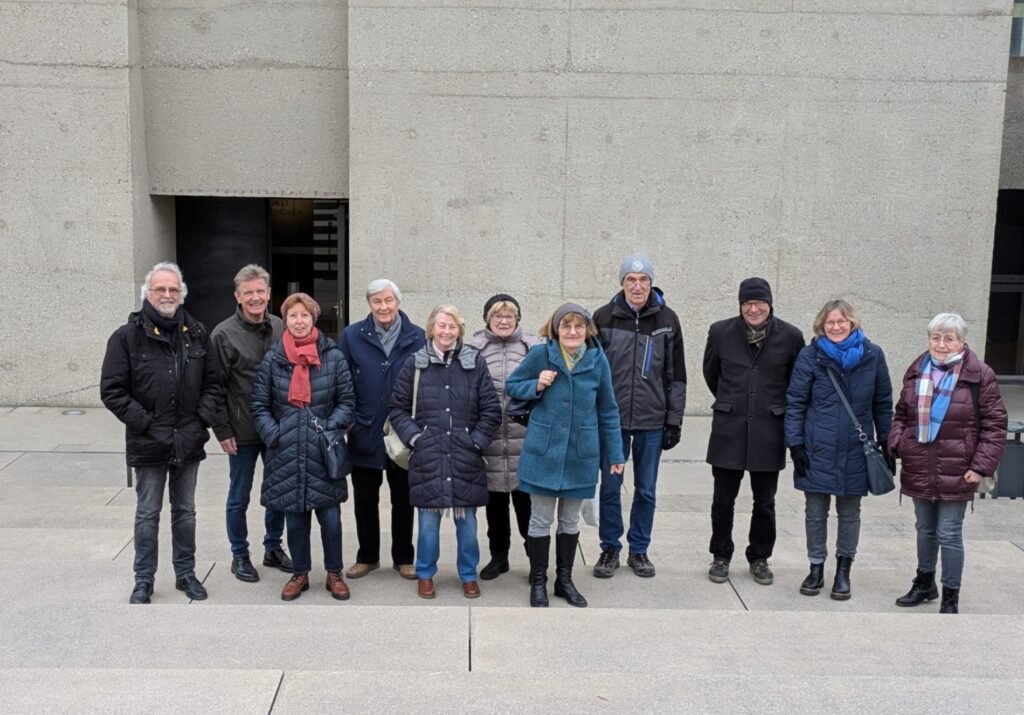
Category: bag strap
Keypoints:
(846, 403)
(415, 389)
(977, 411)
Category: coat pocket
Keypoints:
(538, 435)
(721, 406)
(587, 442)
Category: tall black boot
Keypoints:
(815, 580)
(537, 548)
(565, 555)
(841, 586)
(950, 600)
(923, 589)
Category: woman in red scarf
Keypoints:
(303, 402)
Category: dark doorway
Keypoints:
(1004, 345)
(302, 242)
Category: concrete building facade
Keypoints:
(849, 148)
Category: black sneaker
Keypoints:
(191, 586)
(606, 564)
(762, 574)
(143, 590)
(719, 571)
(641, 565)
(243, 569)
(278, 559)
(494, 568)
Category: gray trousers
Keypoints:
(542, 515)
(941, 524)
(816, 523)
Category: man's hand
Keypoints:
(670, 436)
(801, 462)
(229, 446)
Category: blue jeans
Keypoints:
(941, 524)
(241, 468)
(428, 544)
(149, 492)
(299, 525)
(646, 448)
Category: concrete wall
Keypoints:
(840, 148)
(70, 214)
(1011, 174)
(246, 98)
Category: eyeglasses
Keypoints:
(837, 323)
(634, 280)
(944, 339)
(570, 329)
(168, 291)
(503, 318)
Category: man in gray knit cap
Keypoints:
(643, 340)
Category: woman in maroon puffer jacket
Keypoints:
(945, 450)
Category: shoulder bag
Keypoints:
(398, 451)
(880, 477)
(334, 452)
(519, 410)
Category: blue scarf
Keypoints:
(848, 353)
(933, 400)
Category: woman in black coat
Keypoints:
(456, 412)
(302, 403)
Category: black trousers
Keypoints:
(366, 484)
(762, 522)
(499, 529)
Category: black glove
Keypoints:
(890, 460)
(670, 436)
(801, 463)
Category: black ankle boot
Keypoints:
(537, 548)
(565, 555)
(950, 600)
(841, 586)
(495, 567)
(923, 589)
(815, 581)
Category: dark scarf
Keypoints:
(755, 336)
(171, 327)
(301, 352)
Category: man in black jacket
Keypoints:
(747, 364)
(239, 344)
(643, 340)
(160, 381)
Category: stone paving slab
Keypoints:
(103, 691)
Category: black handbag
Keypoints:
(880, 477)
(334, 452)
(519, 410)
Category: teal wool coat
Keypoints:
(574, 425)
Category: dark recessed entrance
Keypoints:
(1004, 345)
(302, 242)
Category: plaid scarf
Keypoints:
(932, 401)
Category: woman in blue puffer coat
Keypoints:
(828, 459)
(574, 425)
(303, 401)
(456, 412)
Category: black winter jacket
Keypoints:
(165, 398)
(645, 350)
(239, 346)
(295, 478)
(457, 411)
(750, 394)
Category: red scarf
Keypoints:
(301, 352)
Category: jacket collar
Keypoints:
(368, 331)
(622, 309)
(263, 326)
(139, 317)
(462, 353)
(587, 362)
(970, 372)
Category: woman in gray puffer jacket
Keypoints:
(503, 344)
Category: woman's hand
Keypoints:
(972, 477)
(545, 379)
(617, 468)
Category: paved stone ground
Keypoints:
(69, 641)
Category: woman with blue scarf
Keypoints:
(949, 431)
(828, 459)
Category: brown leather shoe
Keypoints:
(295, 586)
(336, 586)
(358, 570)
(407, 571)
(471, 589)
(425, 588)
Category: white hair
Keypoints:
(948, 323)
(163, 266)
(379, 286)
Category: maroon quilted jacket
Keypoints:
(936, 471)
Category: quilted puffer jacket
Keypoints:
(935, 471)
(457, 411)
(295, 478)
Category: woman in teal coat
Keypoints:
(574, 425)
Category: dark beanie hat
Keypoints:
(502, 298)
(755, 289)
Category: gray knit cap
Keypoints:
(636, 263)
(564, 310)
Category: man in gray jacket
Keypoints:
(240, 342)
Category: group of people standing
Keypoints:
(597, 390)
